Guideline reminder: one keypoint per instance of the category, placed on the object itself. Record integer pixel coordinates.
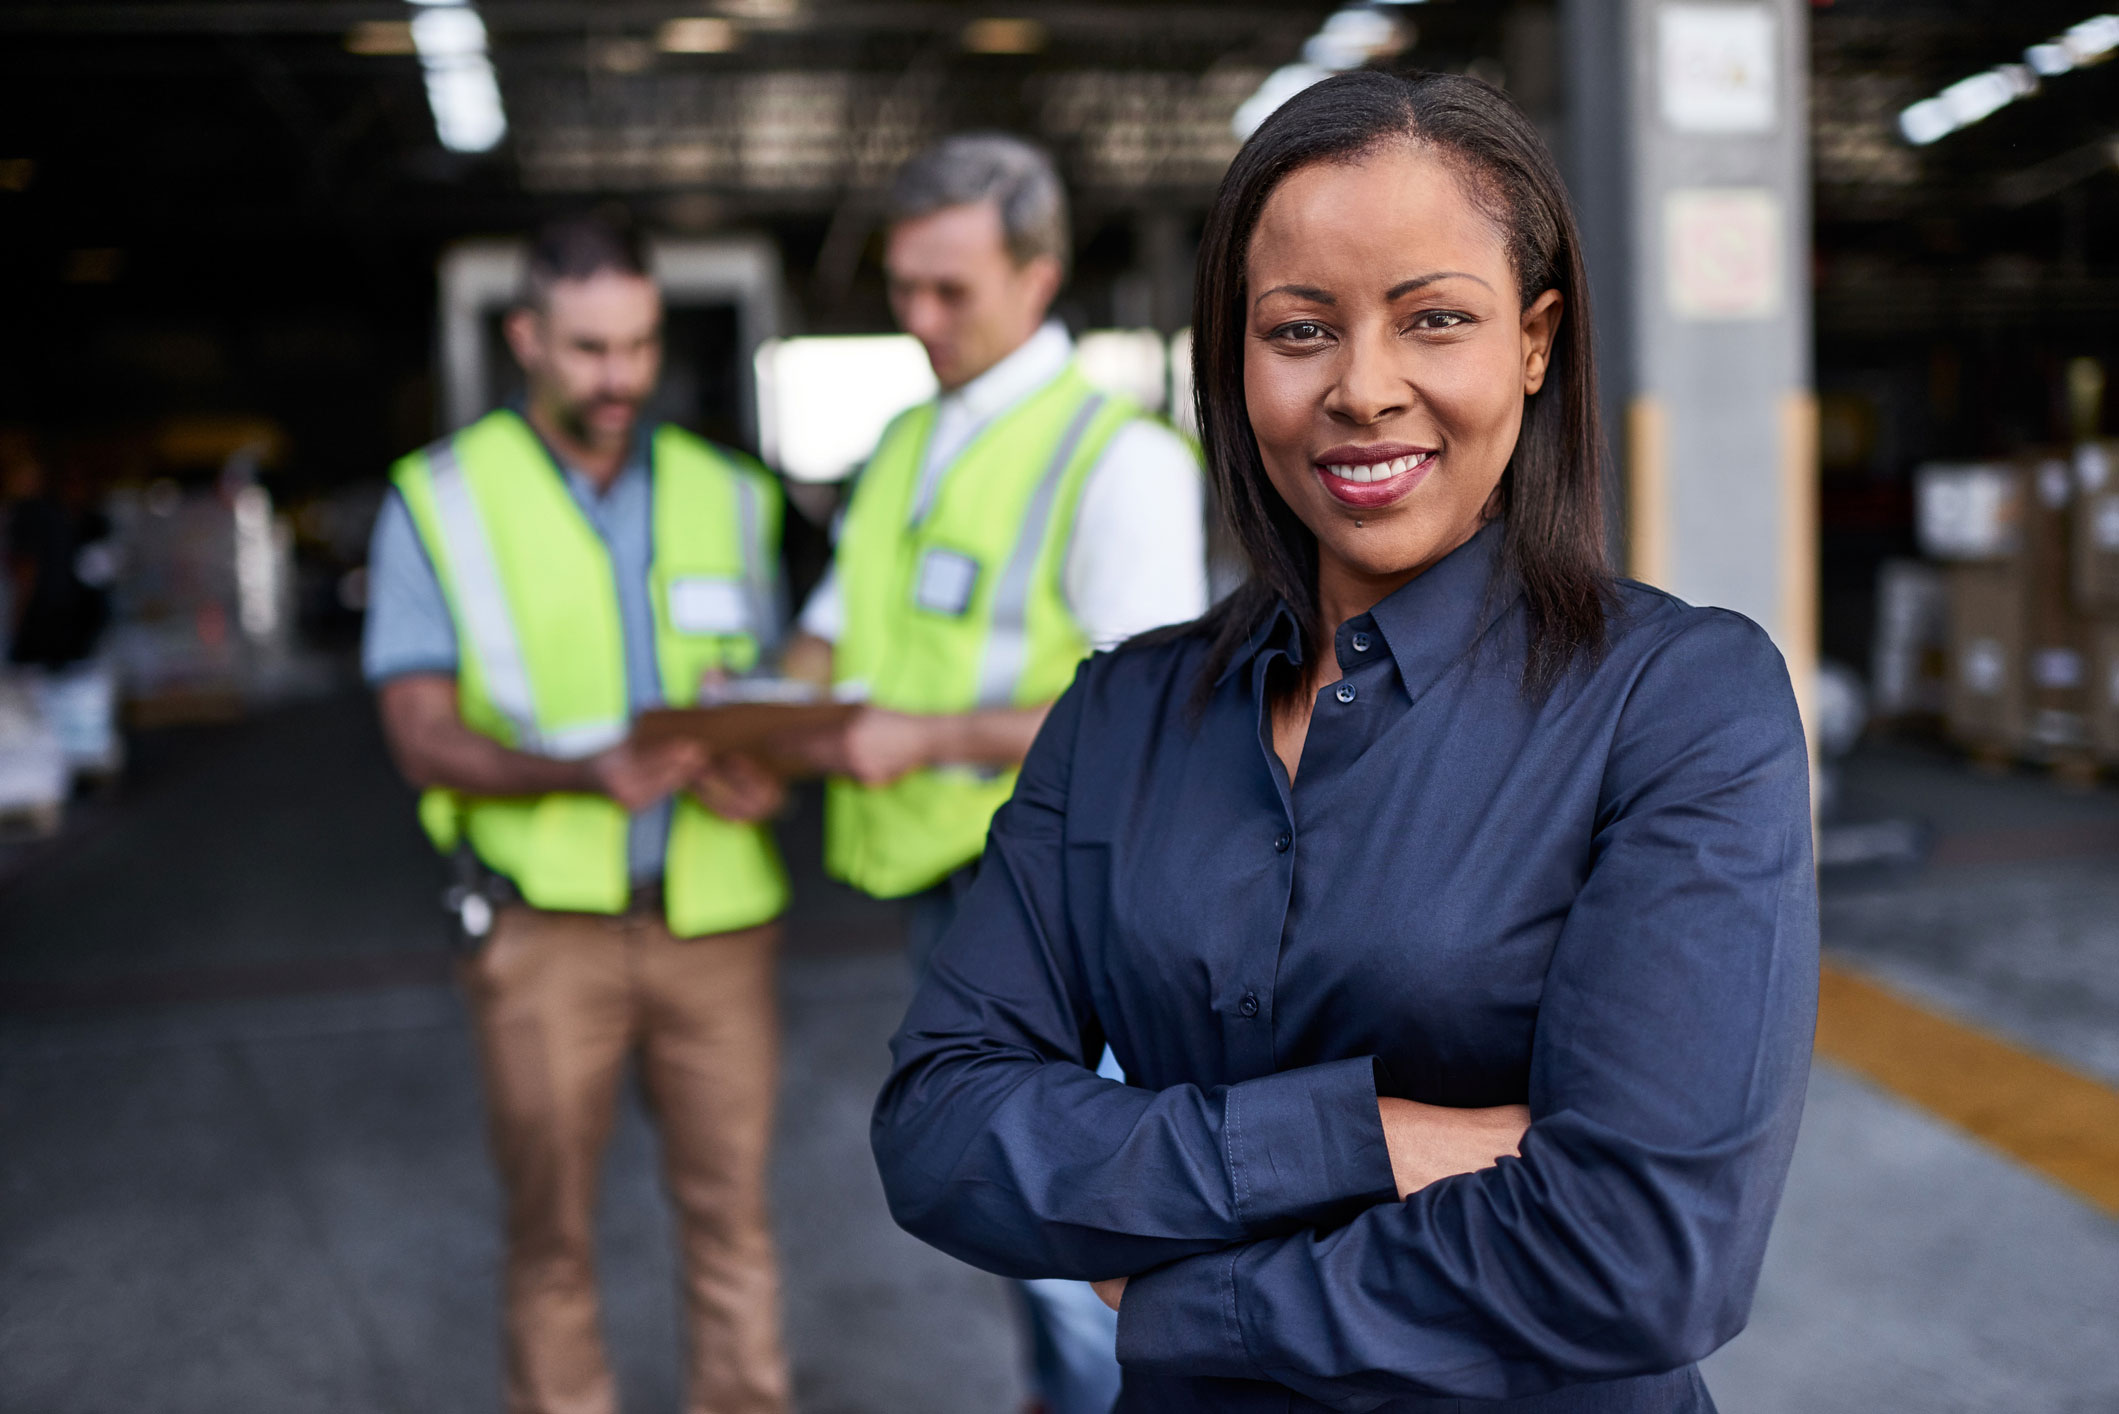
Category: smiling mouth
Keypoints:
(1376, 471)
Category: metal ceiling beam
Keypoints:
(330, 17)
(2057, 174)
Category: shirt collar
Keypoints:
(633, 468)
(638, 455)
(1428, 623)
(1036, 361)
(1277, 633)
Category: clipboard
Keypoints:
(750, 716)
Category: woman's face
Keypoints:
(1387, 355)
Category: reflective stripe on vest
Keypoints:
(483, 605)
(1001, 634)
(1008, 639)
(757, 576)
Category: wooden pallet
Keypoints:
(1991, 760)
(2075, 770)
(40, 821)
(188, 707)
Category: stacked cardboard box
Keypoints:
(2104, 695)
(1970, 515)
(204, 611)
(2033, 552)
(2096, 586)
(1909, 658)
(1983, 701)
(33, 773)
(2096, 537)
(2056, 632)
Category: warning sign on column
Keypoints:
(1722, 249)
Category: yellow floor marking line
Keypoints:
(2060, 1123)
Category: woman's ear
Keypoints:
(1541, 321)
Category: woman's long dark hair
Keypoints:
(1551, 492)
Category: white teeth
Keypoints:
(1379, 471)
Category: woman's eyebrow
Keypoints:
(1308, 292)
(1406, 287)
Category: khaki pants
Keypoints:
(559, 1001)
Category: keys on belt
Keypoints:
(476, 895)
(473, 900)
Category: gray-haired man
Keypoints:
(1019, 521)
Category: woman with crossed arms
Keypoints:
(1448, 903)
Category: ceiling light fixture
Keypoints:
(462, 88)
(762, 11)
(703, 34)
(1004, 36)
(380, 37)
(2087, 43)
(624, 56)
(1970, 99)
(1348, 39)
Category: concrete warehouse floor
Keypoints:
(241, 1165)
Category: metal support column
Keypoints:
(1687, 153)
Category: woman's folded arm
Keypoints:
(1667, 1079)
(999, 1143)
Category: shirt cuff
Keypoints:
(390, 670)
(1180, 1319)
(1305, 1148)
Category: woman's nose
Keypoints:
(1370, 386)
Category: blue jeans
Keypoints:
(1073, 1334)
(1073, 1346)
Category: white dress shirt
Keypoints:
(1137, 559)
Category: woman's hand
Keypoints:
(1427, 1142)
(1430, 1142)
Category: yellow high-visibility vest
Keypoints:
(541, 657)
(953, 601)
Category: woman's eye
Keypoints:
(1438, 319)
(1302, 331)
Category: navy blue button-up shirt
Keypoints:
(1599, 903)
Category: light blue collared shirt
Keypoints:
(409, 628)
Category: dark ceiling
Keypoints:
(251, 115)
(216, 204)
(2007, 223)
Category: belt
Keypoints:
(495, 890)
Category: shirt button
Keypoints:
(1249, 1005)
(1345, 693)
(1361, 643)
(1281, 842)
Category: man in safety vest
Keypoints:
(537, 580)
(997, 535)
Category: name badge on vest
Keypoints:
(945, 582)
(702, 605)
